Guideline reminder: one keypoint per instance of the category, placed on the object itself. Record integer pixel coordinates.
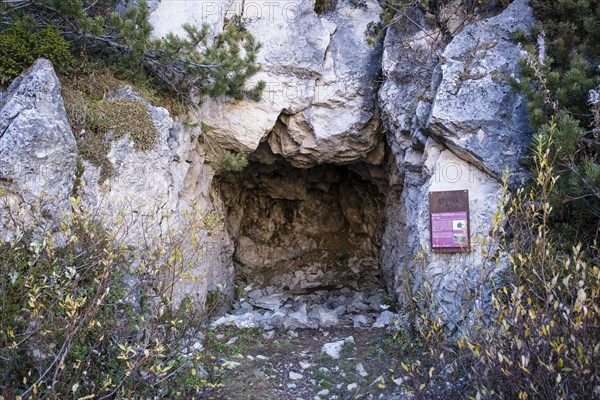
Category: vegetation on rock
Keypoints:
(86, 313)
(96, 120)
(188, 67)
(561, 79)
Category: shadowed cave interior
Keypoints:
(304, 228)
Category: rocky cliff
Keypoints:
(345, 145)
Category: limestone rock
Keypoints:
(360, 321)
(37, 148)
(243, 321)
(333, 349)
(385, 319)
(475, 112)
(169, 16)
(272, 302)
(161, 191)
(295, 376)
(412, 50)
(326, 317)
(361, 370)
(297, 319)
(319, 104)
(456, 127)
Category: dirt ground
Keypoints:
(251, 364)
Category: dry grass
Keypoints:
(97, 121)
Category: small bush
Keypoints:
(86, 313)
(540, 338)
(21, 45)
(230, 161)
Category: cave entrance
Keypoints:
(300, 229)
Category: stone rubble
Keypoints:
(272, 308)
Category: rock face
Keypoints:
(37, 147)
(324, 201)
(319, 104)
(463, 129)
(475, 112)
(165, 195)
(150, 198)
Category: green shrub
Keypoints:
(559, 72)
(21, 45)
(186, 66)
(230, 161)
(87, 313)
(540, 337)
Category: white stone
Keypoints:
(314, 68)
(304, 365)
(361, 370)
(38, 151)
(295, 376)
(398, 381)
(333, 349)
(231, 364)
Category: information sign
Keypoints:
(449, 220)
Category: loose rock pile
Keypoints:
(317, 307)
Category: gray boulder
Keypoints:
(320, 100)
(476, 114)
(38, 151)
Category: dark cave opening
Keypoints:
(304, 228)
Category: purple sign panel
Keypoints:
(449, 230)
(449, 217)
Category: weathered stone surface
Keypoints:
(475, 112)
(37, 147)
(272, 302)
(155, 194)
(169, 16)
(459, 133)
(334, 349)
(320, 101)
(450, 275)
(412, 50)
